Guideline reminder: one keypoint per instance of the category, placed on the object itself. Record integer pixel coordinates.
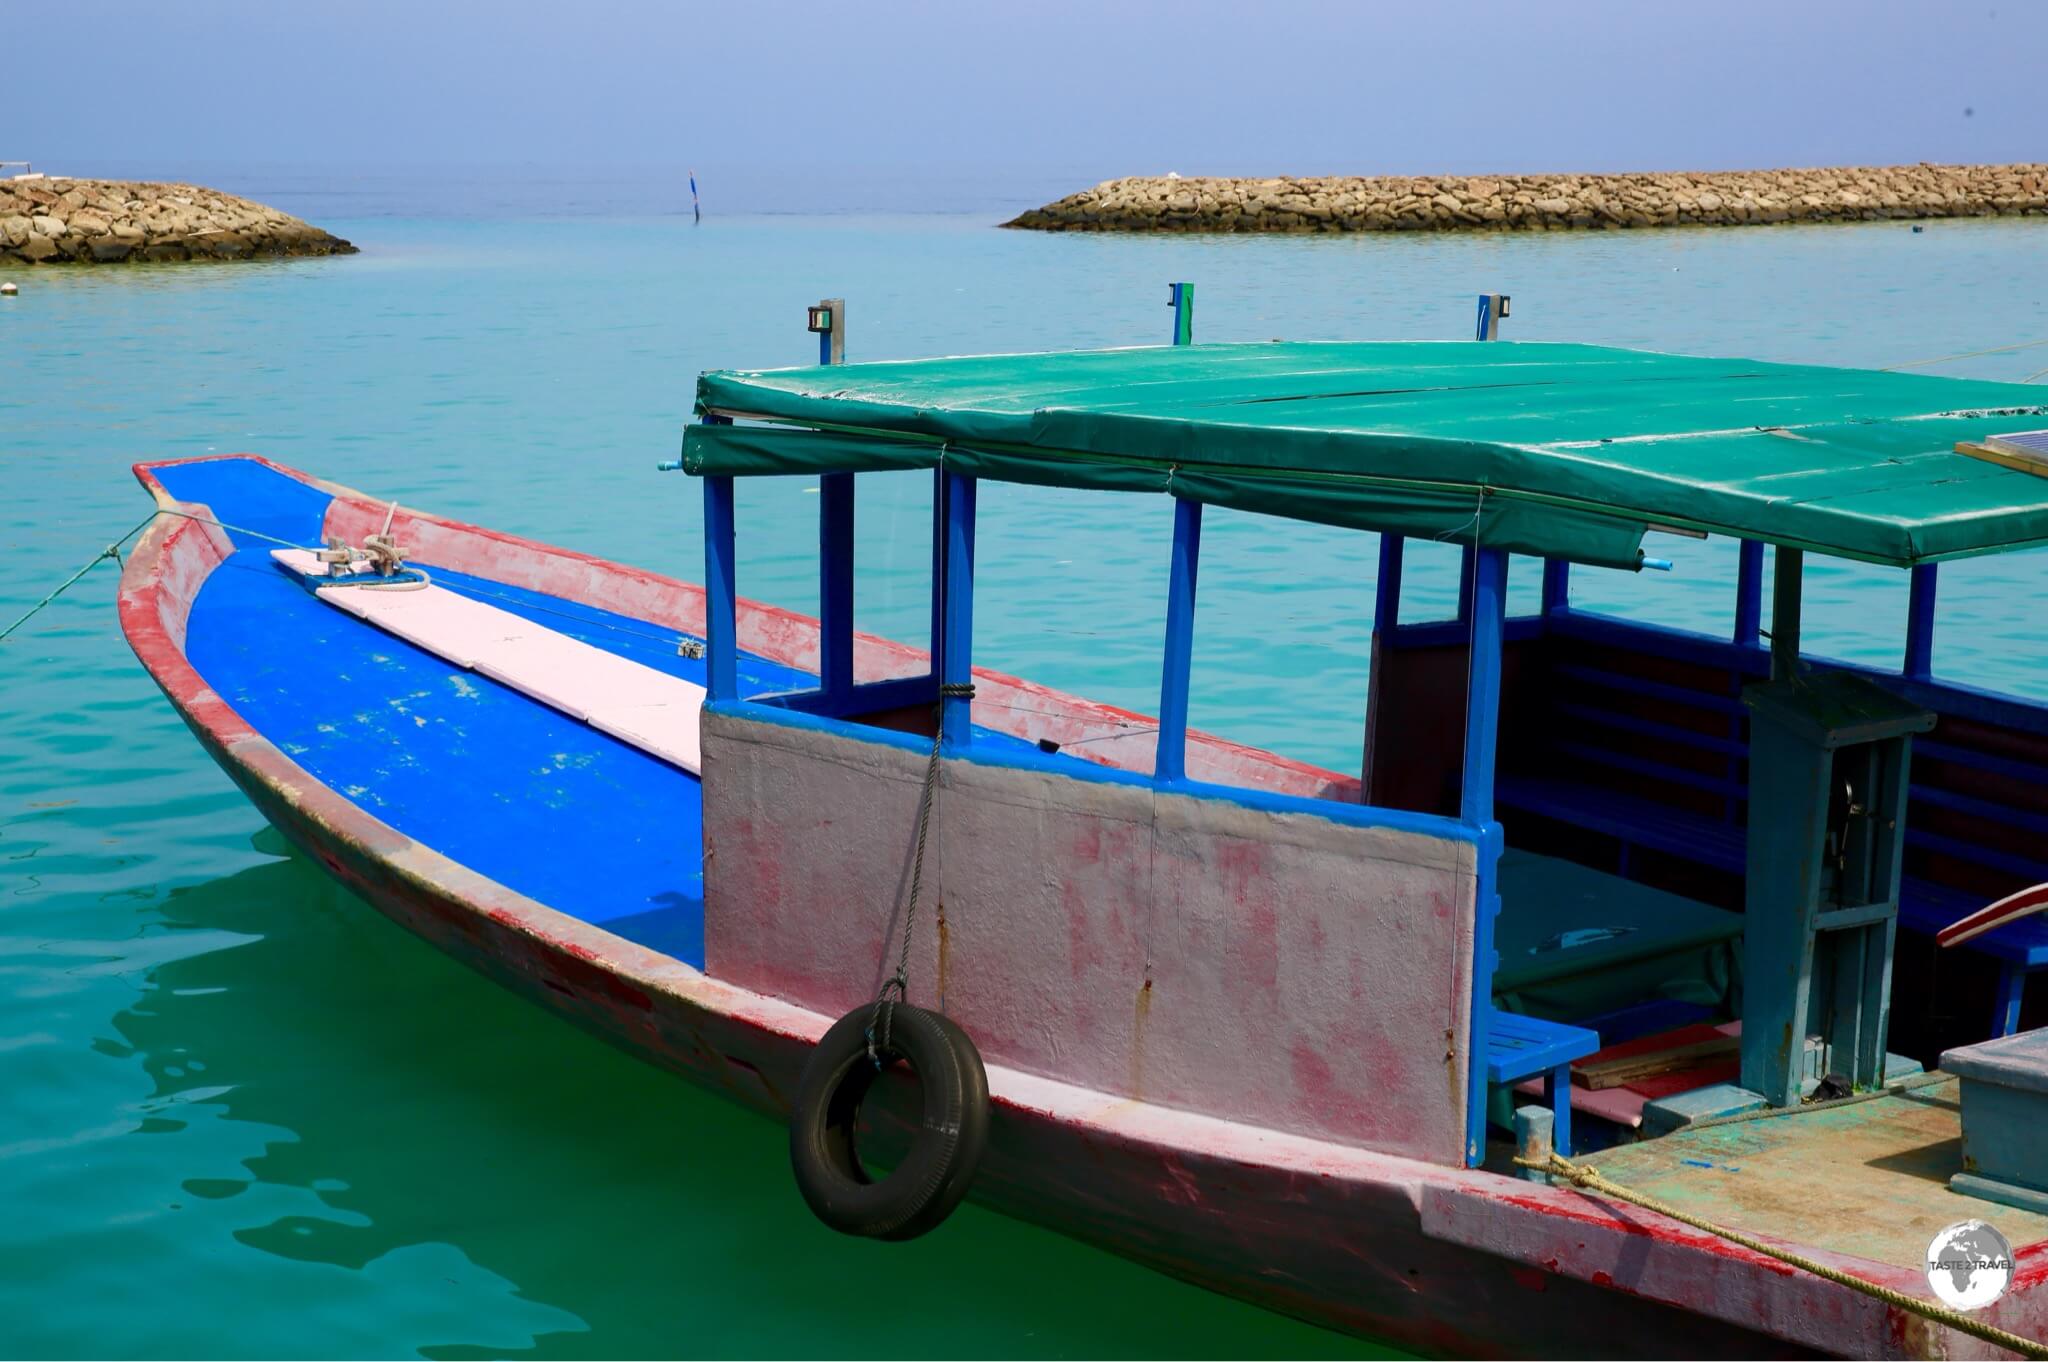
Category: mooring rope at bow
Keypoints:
(896, 988)
(1589, 1179)
(113, 551)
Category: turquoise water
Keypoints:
(245, 1116)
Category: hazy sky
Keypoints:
(1093, 86)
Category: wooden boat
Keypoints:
(1256, 1023)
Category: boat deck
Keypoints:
(497, 781)
(1868, 1179)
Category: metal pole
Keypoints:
(1181, 297)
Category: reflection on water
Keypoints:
(494, 1180)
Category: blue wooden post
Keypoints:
(2012, 985)
(1482, 726)
(938, 574)
(1482, 704)
(1788, 567)
(835, 546)
(1170, 760)
(1749, 594)
(1557, 585)
(1182, 299)
(1557, 1091)
(721, 597)
(1485, 908)
(835, 587)
(1386, 606)
(958, 644)
(1920, 624)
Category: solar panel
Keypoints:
(2026, 450)
(2033, 442)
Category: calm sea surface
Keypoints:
(245, 1116)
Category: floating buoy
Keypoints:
(945, 1149)
(8, 289)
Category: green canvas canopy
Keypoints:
(1566, 451)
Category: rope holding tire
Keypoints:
(945, 1151)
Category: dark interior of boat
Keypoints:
(1622, 789)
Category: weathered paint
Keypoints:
(1440, 1259)
(1066, 898)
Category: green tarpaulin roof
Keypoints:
(1562, 450)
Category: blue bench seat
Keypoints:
(1639, 822)
(1519, 1047)
(2021, 947)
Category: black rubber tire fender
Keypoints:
(945, 1151)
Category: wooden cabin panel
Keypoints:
(1286, 970)
(1624, 728)
(1415, 723)
(2009, 743)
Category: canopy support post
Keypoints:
(1785, 585)
(938, 643)
(1169, 762)
(1181, 297)
(1482, 702)
(957, 725)
(1482, 726)
(1920, 623)
(1749, 593)
(1557, 585)
(721, 634)
(1386, 605)
(835, 585)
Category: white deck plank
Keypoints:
(632, 702)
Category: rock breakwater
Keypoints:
(1389, 203)
(48, 220)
